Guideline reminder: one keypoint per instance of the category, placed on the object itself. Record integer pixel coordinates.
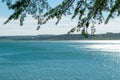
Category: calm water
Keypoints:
(73, 60)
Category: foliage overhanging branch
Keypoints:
(88, 12)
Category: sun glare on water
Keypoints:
(105, 47)
(100, 45)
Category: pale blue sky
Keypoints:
(29, 27)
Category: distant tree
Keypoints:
(99, 11)
(93, 30)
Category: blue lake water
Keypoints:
(60, 60)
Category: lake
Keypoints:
(60, 60)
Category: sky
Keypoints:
(29, 28)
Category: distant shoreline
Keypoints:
(65, 37)
(83, 41)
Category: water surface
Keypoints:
(60, 60)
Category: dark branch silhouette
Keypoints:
(88, 12)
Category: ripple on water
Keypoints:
(60, 61)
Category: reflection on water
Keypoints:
(97, 41)
(66, 60)
(105, 47)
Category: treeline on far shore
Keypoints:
(107, 36)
